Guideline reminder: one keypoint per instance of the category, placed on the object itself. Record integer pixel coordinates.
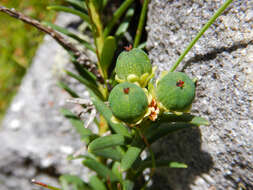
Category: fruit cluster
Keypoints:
(136, 97)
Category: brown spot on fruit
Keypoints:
(126, 90)
(180, 83)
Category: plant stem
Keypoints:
(201, 32)
(97, 27)
(141, 23)
(120, 11)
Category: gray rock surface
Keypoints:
(35, 138)
(219, 156)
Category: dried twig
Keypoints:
(81, 57)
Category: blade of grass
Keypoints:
(141, 23)
(201, 32)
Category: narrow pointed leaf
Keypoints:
(186, 117)
(160, 163)
(87, 83)
(96, 183)
(86, 134)
(105, 3)
(108, 53)
(116, 169)
(199, 121)
(125, 23)
(129, 158)
(82, 15)
(98, 4)
(68, 181)
(87, 75)
(106, 142)
(111, 153)
(142, 45)
(100, 169)
(128, 185)
(77, 4)
(69, 90)
(118, 128)
(116, 16)
(70, 34)
(158, 130)
(177, 165)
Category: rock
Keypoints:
(220, 155)
(35, 138)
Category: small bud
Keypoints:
(134, 66)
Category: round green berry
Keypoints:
(175, 91)
(133, 65)
(128, 102)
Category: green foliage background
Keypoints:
(18, 44)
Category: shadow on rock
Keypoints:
(184, 147)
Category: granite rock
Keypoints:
(35, 138)
(220, 155)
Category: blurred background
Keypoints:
(18, 44)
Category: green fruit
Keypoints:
(128, 102)
(175, 91)
(133, 66)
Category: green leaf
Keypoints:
(74, 181)
(128, 185)
(177, 165)
(111, 153)
(108, 53)
(142, 45)
(87, 83)
(106, 142)
(98, 4)
(129, 158)
(84, 72)
(160, 163)
(125, 23)
(199, 121)
(100, 169)
(105, 3)
(158, 130)
(86, 134)
(116, 170)
(70, 34)
(186, 117)
(96, 183)
(116, 16)
(82, 15)
(80, 5)
(118, 128)
(69, 90)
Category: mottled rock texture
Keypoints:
(219, 156)
(35, 139)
